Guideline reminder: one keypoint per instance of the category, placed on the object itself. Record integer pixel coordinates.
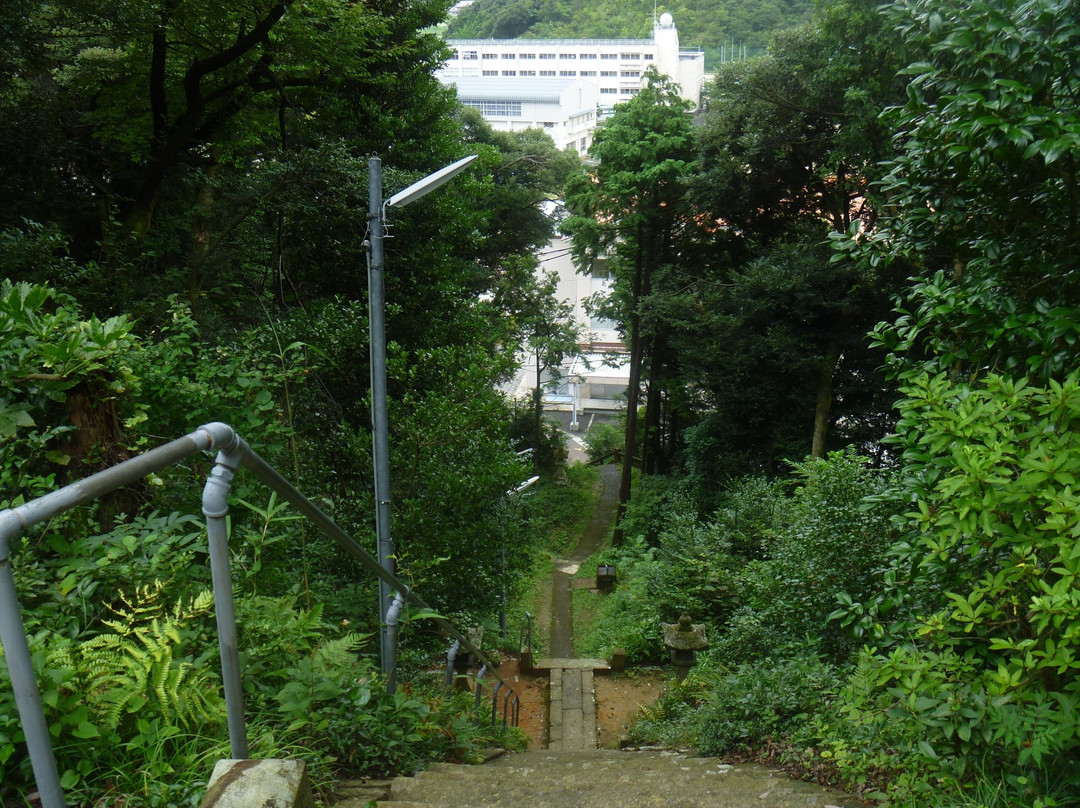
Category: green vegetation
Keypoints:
(717, 26)
(853, 338)
(898, 611)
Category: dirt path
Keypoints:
(620, 697)
(592, 539)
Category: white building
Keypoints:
(564, 108)
(615, 67)
(597, 381)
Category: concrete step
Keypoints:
(607, 779)
(548, 663)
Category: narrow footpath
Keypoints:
(572, 705)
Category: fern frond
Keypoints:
(140, 665)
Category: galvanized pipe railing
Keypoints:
(233, 452)
(525, 633)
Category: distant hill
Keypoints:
(711, 24)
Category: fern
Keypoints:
(140, 666)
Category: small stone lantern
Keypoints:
(684, 639)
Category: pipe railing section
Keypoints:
(525, 633)
(233, 452)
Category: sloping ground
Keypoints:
(607, 779)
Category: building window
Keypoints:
(609, 56)
(608, 91)
(496, 109)
(526, 55)
(606, 391)
(648, 57)
(548, 124)
(630, 74)
(631, 57)
(547, 55)
(547, 72)
(567, 72)
(509, 72)
(490, 56)
(491, 72)
(629, 91)
(609, 73)
(513, 55)
(586, 55)
(527, 73)
(587, 73)
(567, 55)
(467, 55)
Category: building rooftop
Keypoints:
(499, 88)
(524, 43)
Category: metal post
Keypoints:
(379, 419)
(451, 657)
(215, 508)
(392, 620)
(24, 683)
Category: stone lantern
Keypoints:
(684, 639)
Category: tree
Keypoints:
(632, 207)
(984, 197)
(551, 334)
(789, 148)
(185, 130)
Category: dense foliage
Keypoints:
(182, 241)
(852, 406)
(900, 616)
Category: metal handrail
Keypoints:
(525, 633)
(233, 451)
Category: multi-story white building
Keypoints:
(615, 67)
(565, 109)
(595, 382)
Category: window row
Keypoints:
(471, 55)
(497, 109)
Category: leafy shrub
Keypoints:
(761, 700)
(627, 618)
(990, 672)
(602, 441)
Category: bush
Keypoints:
(602, 442)
(761, 700)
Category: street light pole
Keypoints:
(379, 419)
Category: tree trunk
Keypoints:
(652, 454)
(823, 406)
(632, 397)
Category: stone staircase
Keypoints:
(573, 773)
(571, 702)
(603, 779)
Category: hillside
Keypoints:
(711, 24)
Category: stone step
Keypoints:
(548, 663)
(607, 779)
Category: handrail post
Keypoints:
(451, 657)
(495, 701)
(392, 615)
(479, 687)
(24, 683)
(215, 508)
